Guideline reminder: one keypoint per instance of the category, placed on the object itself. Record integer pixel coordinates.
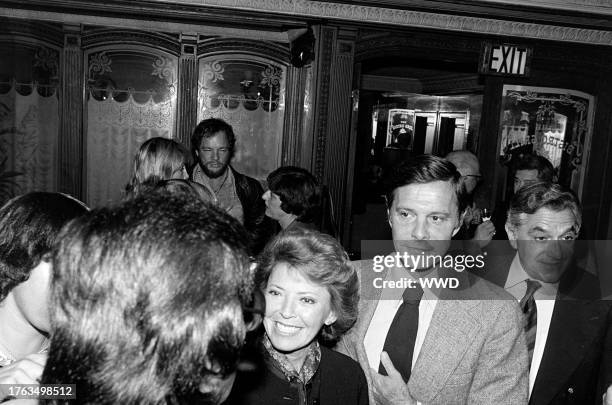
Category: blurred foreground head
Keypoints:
(147, 302)
(29, 226)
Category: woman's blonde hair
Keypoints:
(157, 159)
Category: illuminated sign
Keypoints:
(505, 59)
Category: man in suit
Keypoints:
(425, 343)
(568, 327)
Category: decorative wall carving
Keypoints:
(93, 37)
(34, 30)
(249, 93)
(421, 19)
(387, 44)
(71, 135)
(338, 137)
(188, 84)
(595, 6)
(131, 96)
(326, 42)
(271, 50)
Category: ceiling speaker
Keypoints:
(302, 49)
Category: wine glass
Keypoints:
(486, 214)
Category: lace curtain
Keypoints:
(131, 98)
(29, 120)
(249, 94)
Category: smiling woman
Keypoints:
(311, 294)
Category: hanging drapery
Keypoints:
(249, 95)
(28, 139)
(29, 121)
(119, 121)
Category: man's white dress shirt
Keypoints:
(388, 304)
(516, 284)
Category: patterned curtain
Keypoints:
(249, 94)
(132, 98)
(29, 120)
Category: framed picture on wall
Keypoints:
(554, 123)
(400, 128)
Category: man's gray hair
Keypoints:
(531, 198)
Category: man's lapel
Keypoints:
(573, 327)
(367, 306)
(452, 327)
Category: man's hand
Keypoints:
(484, 233)
(390, 389)
(607, 397)
(25, 371)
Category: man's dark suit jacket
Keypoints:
(575, 366)
(260, 227)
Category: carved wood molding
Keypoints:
(50, 33)
(326, 42)
(452, 84)
(373, 44)
(272, 50)
(93, 37)
(580, 21)
(152, 15)
(188, 84)
(584, 6)
(376, 44)
(420, 19)
(70, 149)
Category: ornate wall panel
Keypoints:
(369, 14)
(29, 114)
(71, 137)
(247, 83)
(247, 92)
(333, 79)
(338, 137)
(188, 84)
(295, 116)
(131, 96)
(325, 44)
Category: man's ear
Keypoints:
(461, 218)
(512, 236)
(389, 218)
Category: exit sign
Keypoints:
(505, 59)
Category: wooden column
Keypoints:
(187, 97)
(335, 61)
(70, 148)
(294, 117)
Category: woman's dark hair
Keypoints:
(322, 260)
(298, 190)
(29, 225)
(147, 301)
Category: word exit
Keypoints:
(505, 59)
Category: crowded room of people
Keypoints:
(306, 202)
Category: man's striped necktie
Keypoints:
(530, 311)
